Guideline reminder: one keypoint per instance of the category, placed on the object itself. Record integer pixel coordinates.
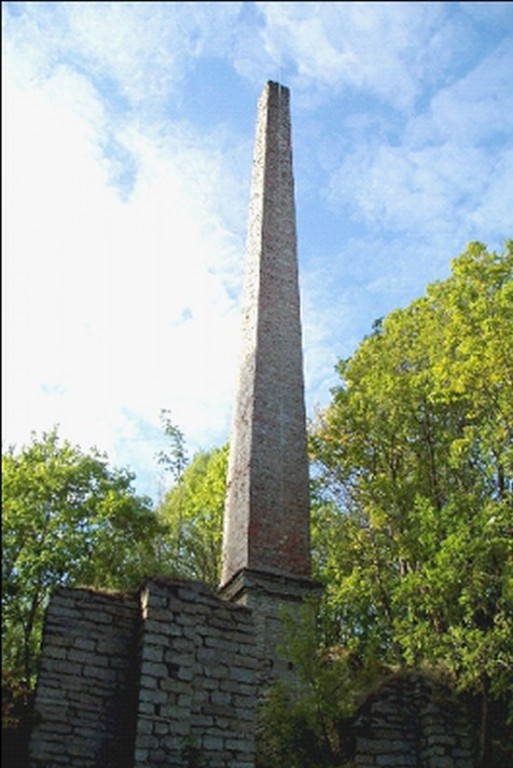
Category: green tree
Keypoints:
(308, 723)
(414, 475)
(192, 512)
(67, 519)
(174, 459)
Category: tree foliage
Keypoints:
(308, 724)
(192, 512)
(414, 460)
(174, 459)
(67, 519)
(412, 520)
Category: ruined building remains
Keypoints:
(170, 675)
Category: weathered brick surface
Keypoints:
(267, 506)
(272, 599)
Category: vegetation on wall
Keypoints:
(309, 725)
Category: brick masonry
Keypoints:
(273, 600)
(171, 676)
(197, 678)
(267, 506)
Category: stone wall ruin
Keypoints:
(145, 679)
(412, 721)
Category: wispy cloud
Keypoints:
(114, 305)
(128, 131)
(391, 50)
(137, 52)
(446, 163)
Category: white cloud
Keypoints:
(387, 49)
(490, 14)
(491, 216)
(124, 227)
(139, 52)
(442, 173)
(475, 108)
(113, 307)
(402, 189)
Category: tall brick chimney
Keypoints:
(267, 503)
(266, 545)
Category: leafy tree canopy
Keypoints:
(413, 512)
(67, 519)
(192, 512)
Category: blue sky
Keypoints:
(127, 143)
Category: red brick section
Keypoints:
(267, 506)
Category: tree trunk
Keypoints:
(485, 741)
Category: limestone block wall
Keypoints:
(171, 676)
(85, 702)
(197, 679)
(273, 599)
(412, 722)
(162, 677)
